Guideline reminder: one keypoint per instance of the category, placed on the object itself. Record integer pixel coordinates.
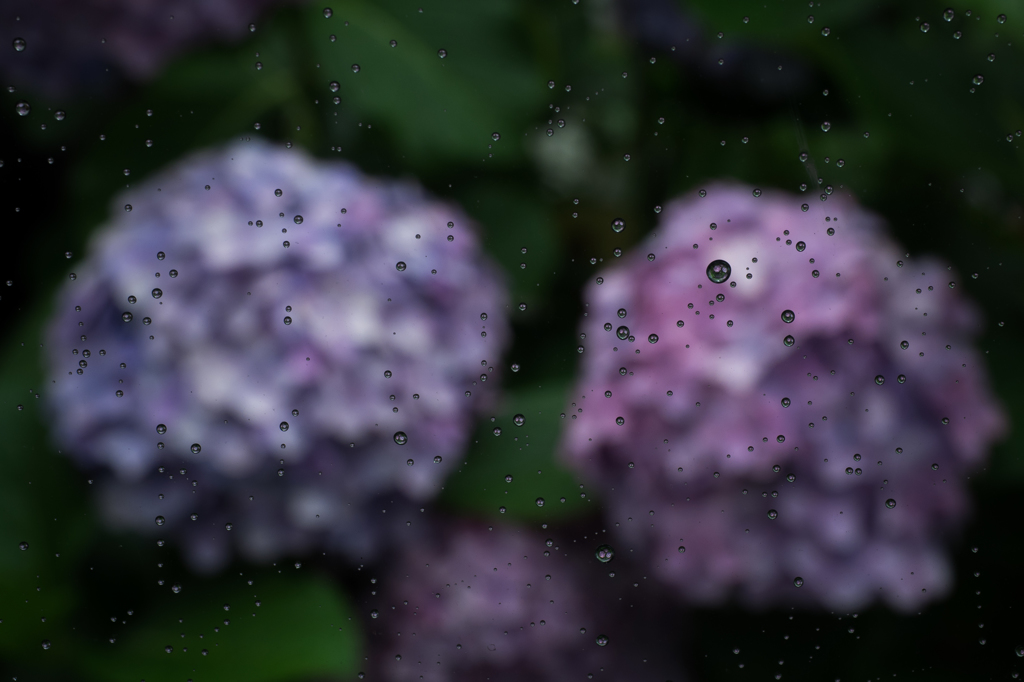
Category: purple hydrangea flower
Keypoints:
(503, 604)
(290, 342)
(745, 466)
(61, 46)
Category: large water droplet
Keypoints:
(19, 44)
(519, 420)
(401, 438)
(788, 316)
(157, 293)
(605, 553)
(622, 332)
(772, 514)
(798, 582)
(718, 271)
(23, 108)
(618, 225)
(890, 503)
(400, 266)
(283, 426)
(160, 520)
(789, 340)
(196, 448)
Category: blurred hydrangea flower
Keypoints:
(827, 471)
(63, 47)
(295, 343)
(502, 604)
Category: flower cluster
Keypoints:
(502, 604)
(62, 47)
(782, 405)
(273, 352)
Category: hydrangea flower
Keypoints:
(61, 47)
(504, 604)
(277, 343)
(794, 426)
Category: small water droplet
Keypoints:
(23, 108)
(789, 340)
(400, 266)
(798, 581)
(196, 448)
(618, 225)
(788, 316)
(401, 438)
(890, 503)
(772, 514)
(519, 420)
(160, 520)
(605, 553)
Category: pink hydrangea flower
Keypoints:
(744, 466)
(466, 602)
(276, 343)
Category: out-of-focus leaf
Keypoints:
(436, 108)
(528, 454)
(301, 629)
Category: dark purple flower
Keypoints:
(466, 602)
(276, 343)
(745, 462)
(63, 47)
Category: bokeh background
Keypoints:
(603, 110)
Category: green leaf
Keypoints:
(303, 628)
(436, 108)
(528, 454)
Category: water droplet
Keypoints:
(788, 316)
(23, 108)
(228, 526)
(890, 503)
(798, 581)
(297, 219)
(442, 53)
(160, 520)
(904, 345)
(902, 378)
(540, 501)
(757, 192)
(355, 68)
(287, 319)
(935, 466)
(497, 431)
(283, 426)
(772, 514)
(618, 225)
(519, 420)
(437, 459)
(826, 126)
(718, 271)
(19, 44)
(176, 589)
(127, 317)
(620, 420)
(401, 438)
(400, 266)
(46, 644)
(925, 27)
(978, 79)
(622, 332)
(703, 193)
(1001, 19)
(161, 429)
(789, 340)
(652, 338)
(23, 546)
(948, 14)
(786, 402)
(602, 640)
(605, 553)
(157, 293)
(328, 12)
(333, 86)
(879, 379)
(196, 448)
